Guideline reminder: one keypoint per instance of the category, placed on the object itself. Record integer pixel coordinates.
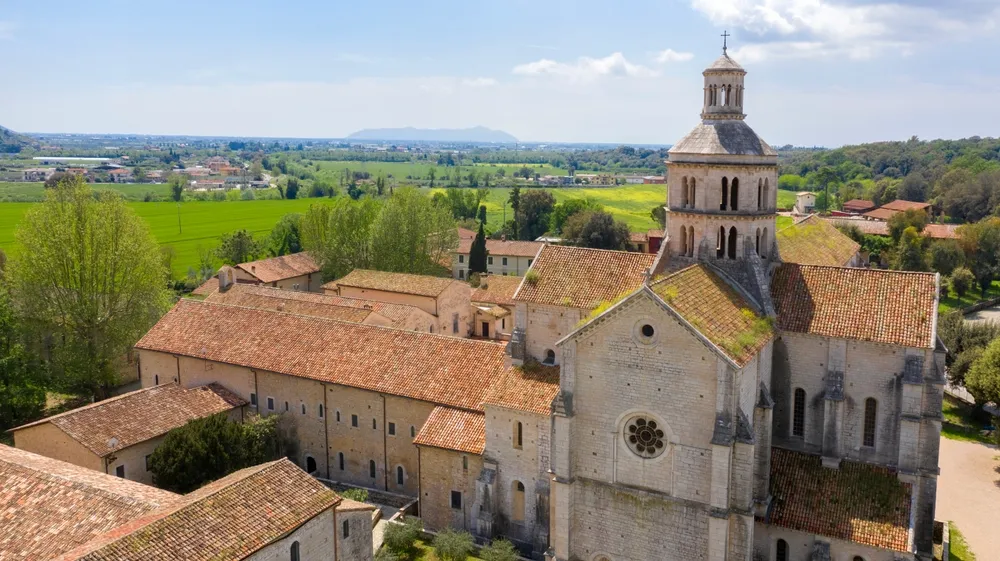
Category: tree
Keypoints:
(515, 204)
(292, 188)
(22, 391)
(946, 256)
(910, 253)
(902, 220)
(238, 247)
(478, 252)
(400, 537)
(177, 183)
(533, 212)
(411, 234)
(450, 545)
(211, 447)
(597, 230)
(983, 378)
(499, 550)
(430, 175)
(338, 236)
(981, 244)
(913, 188)
(88, 279)
(285, 236)
(961, 281)
(659, 215)
(562, 211)
(56, 178)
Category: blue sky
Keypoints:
(821, 72)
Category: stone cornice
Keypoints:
(723, 215)
(721, 165)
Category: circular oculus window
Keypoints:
(644, 437)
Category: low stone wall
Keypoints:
(982, 305)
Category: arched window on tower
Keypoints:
(725, 194)
(690, 235)
(691, 196)
(734, 196)
(767, 198)
(720, 243)
(684, 192)
(760, 191)
(732, 243)
(683, 247)
(757, 246)
(763, 244)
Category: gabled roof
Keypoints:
(291, 301)
(889, 307)
(226, 520)
(814, 241)
(404, 283)
(49, 507)
(209, 286)
(501, 248)
(726, 137)
(858, 502)
(434, 368)
(868, 227)
(529, 388)
(716, 310)
(119, 422)
(900, 205)
(578, 277)
(454, 429)
(858, 205)
(496, 289)
(880, 214)
(280, 268)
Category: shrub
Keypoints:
(531, 277)
(401, 537)
(499, 550)
(386, 554)
(961, 281)
(450, 545)
(360, 495)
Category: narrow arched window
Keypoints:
(720, 243)
(371, 469)
(683, 241)
(690, 241)
(799, 413)
(767, 198)
(294, 553)
(734, 197)
(684, 191)
(399, 475)
(732, 243)
(310, 464)
(871, 410)
(781, 551)
(724, 201)
(763, 244)
(518, 437)
(345, 529)
(760, 191)
(757, 246)
(517, 501)
(340, 460)
(691, 198)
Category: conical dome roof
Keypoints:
(724, 62)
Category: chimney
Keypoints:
(503, 237)
(226, 278)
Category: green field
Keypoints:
(418, 170)
(19, 192)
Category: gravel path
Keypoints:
(969, 493)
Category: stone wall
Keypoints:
(454, 302)
(544, 325)
(357, 545)
(50, 441)
(299, 400)
(801, 545)
(315, 539)
(441, 472)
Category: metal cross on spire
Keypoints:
(725, 36)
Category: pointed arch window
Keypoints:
(720, 243)
(684, 192)
(371, 469)
(763, 244)
(724, 202)
(690, 235)
(731, 249)
(691, 199)
(734, 196)
(683, 241)
(517, 501)
(760, 192)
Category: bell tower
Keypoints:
(722, 179)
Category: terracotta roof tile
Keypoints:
(716, 310)
(528, 388)
(940, 231)
(496, 289)
(434, 368)
(900, 205)
(637, 237)
(858, 502)
(291, 301)
(858, 205)
(868, 227)
(280, 268)
(207, 287)
(48, 507)
(890, 307)
(122, 421)
(880, 214)
(466, 234)
(503, 248)
(454, 429)
(814, 241)
(227, 520)
(578, 277)
(421, 285)
(349, 505)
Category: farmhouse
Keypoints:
(503, 257)
(297, 271)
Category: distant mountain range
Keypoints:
(11, 141)
(410, 134)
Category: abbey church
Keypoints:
(743, 394)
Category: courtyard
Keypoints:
(969, 493)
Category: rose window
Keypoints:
(644, 437)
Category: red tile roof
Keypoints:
(207, 287)
(940, 231)
(466, 234)
(48, 507)
(434, 368)
(638, 237)
(404, 283)
(716, 310)
(880, 214)
(578, 277)
(122, 421)
(814, 241)
(528, 388)
(291, 301)
(227, 520)
(858, 205)
(281, 268)
(454, 429)
(858, 502)
(503, 248)
(868, 227)
(890, 307)
(496, 289)
(900, 205)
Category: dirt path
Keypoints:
(969, 493)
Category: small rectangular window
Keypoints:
(147, 461)
(354, 420)
(454, 322)
(303, 408)
(321, 411)
(413, 431)
(347, 529)
(392, 429)
(456, 499)
(253, 399)
(504, 263)
(338, 416)
(799, 413)
(461, 259)
(529, 262)
(871, 408)
(270, 404)
(120, 471)
(489, 260)
(461, 274)
(156, 380)
(286, 407)
(465, 463)
(374, 425)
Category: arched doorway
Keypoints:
(732, 243)
(310, 464)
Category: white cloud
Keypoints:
(670, 55)
(7, 29)
(479, 82)
(856, 29)
(586, 68)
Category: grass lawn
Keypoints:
(959, 548)
(425, 552)
(20, 192)
(958, 422)
(418, 170)
(953, 302)
(786, 199)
